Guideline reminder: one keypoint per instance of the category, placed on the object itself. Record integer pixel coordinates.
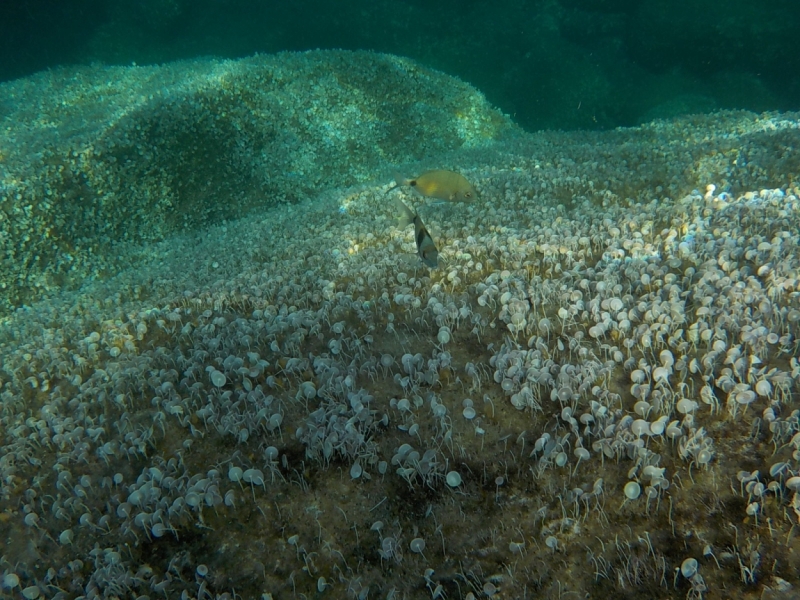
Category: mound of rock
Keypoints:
(94, 157)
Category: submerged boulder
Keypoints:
(92, 157)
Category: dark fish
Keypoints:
(425, 247)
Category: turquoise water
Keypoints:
(562, 64)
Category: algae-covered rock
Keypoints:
(94, 157)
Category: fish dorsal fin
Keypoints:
(406, 214)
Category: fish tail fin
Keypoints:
(406, 217)
(400, 180)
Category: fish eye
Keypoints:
(468, 194)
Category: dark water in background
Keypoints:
(565, 64)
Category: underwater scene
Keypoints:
(352, 320)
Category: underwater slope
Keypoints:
(92, 158)
(595, 393)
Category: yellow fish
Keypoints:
(440, 184)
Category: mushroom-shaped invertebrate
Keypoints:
(453, 479)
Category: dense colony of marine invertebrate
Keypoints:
(595, 392)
